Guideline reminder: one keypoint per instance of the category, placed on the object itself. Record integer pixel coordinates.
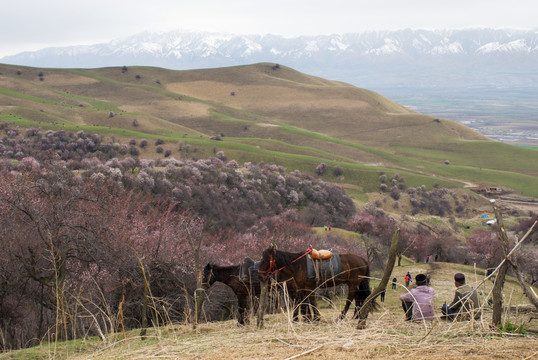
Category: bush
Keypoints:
(133, 151)
(220, 155)
(338, 171)
(395, 193)
(321, 168)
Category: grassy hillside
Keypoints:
(387, 334)
(265, 113)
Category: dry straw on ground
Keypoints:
(386, 336)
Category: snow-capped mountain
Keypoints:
(501, 57)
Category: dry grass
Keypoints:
(387, 335)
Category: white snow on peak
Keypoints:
(251, 47)
(336, 44)
(447, 48)
(519, 45)
(150, 47)
(312, 46)
(391, 46)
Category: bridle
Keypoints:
(273, 269)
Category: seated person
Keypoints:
(465, 301)
(418, 302)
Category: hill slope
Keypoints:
(265, 113)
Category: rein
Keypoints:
(272, 264)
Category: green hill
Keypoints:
(269, 113)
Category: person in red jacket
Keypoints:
(407, 279)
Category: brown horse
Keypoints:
(355, 274)
(244, 282)
(243, 286)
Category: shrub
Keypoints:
(167, 153)
(220, 155)
(159, 149)
(320, 169)
(143, 143)
(338, 171)
(395, 193)
(135, 123)
(159, 142)
(133, 151)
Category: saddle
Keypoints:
(322, 266)
(321, 254)
(248, 270)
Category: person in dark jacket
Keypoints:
(465, 304)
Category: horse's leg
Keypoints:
(242, 302)
(313, 305)
(358, 305)
(352, 289)
(305, 310)
(300, 305)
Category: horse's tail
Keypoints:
(363, 293)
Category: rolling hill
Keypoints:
(265, 112)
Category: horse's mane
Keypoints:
(285, 258)
(224, 267)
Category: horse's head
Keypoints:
(267, 263)
(208, 277)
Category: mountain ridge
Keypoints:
(474, 49)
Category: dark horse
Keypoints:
(238, 279)
(355, 273)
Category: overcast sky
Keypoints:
(27, 25)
